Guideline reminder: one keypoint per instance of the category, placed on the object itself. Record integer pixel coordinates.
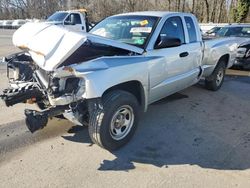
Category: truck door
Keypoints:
(73, 22)
(194, 42)
(175, 68)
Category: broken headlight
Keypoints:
(71, 85)
(65, 82)
(67, 86)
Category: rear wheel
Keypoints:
(113, 120)
(215, 81)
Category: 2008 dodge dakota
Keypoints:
(107, 77)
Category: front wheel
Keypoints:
(215, 81)
(113, 120)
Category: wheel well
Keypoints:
(224, 58)
(133, 87)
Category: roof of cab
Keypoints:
(82, 10)
(238, 25)
(151, 13)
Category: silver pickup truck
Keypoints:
(107, 77)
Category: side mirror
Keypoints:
(167, 42)
(72, 20)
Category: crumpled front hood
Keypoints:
(23, 35)
(50, 45)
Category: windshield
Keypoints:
(133, 30)
(57, 17)
(234, 31)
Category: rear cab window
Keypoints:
(191, 29)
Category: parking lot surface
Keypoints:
(194, 138)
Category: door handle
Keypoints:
(184, 54)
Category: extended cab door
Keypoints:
(176, 67)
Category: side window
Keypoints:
(67, 19)
(191, 29)
(77, 18)
(173, 28)
(246, 31)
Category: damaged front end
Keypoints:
(55, 96)
(44, 73)
(22, 86)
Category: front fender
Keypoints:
(97, 82)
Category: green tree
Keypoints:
(239, 13)
(242, 10)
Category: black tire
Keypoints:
(246, 67)
(102, 112)
(216, 79)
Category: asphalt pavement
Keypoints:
(194, 138)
